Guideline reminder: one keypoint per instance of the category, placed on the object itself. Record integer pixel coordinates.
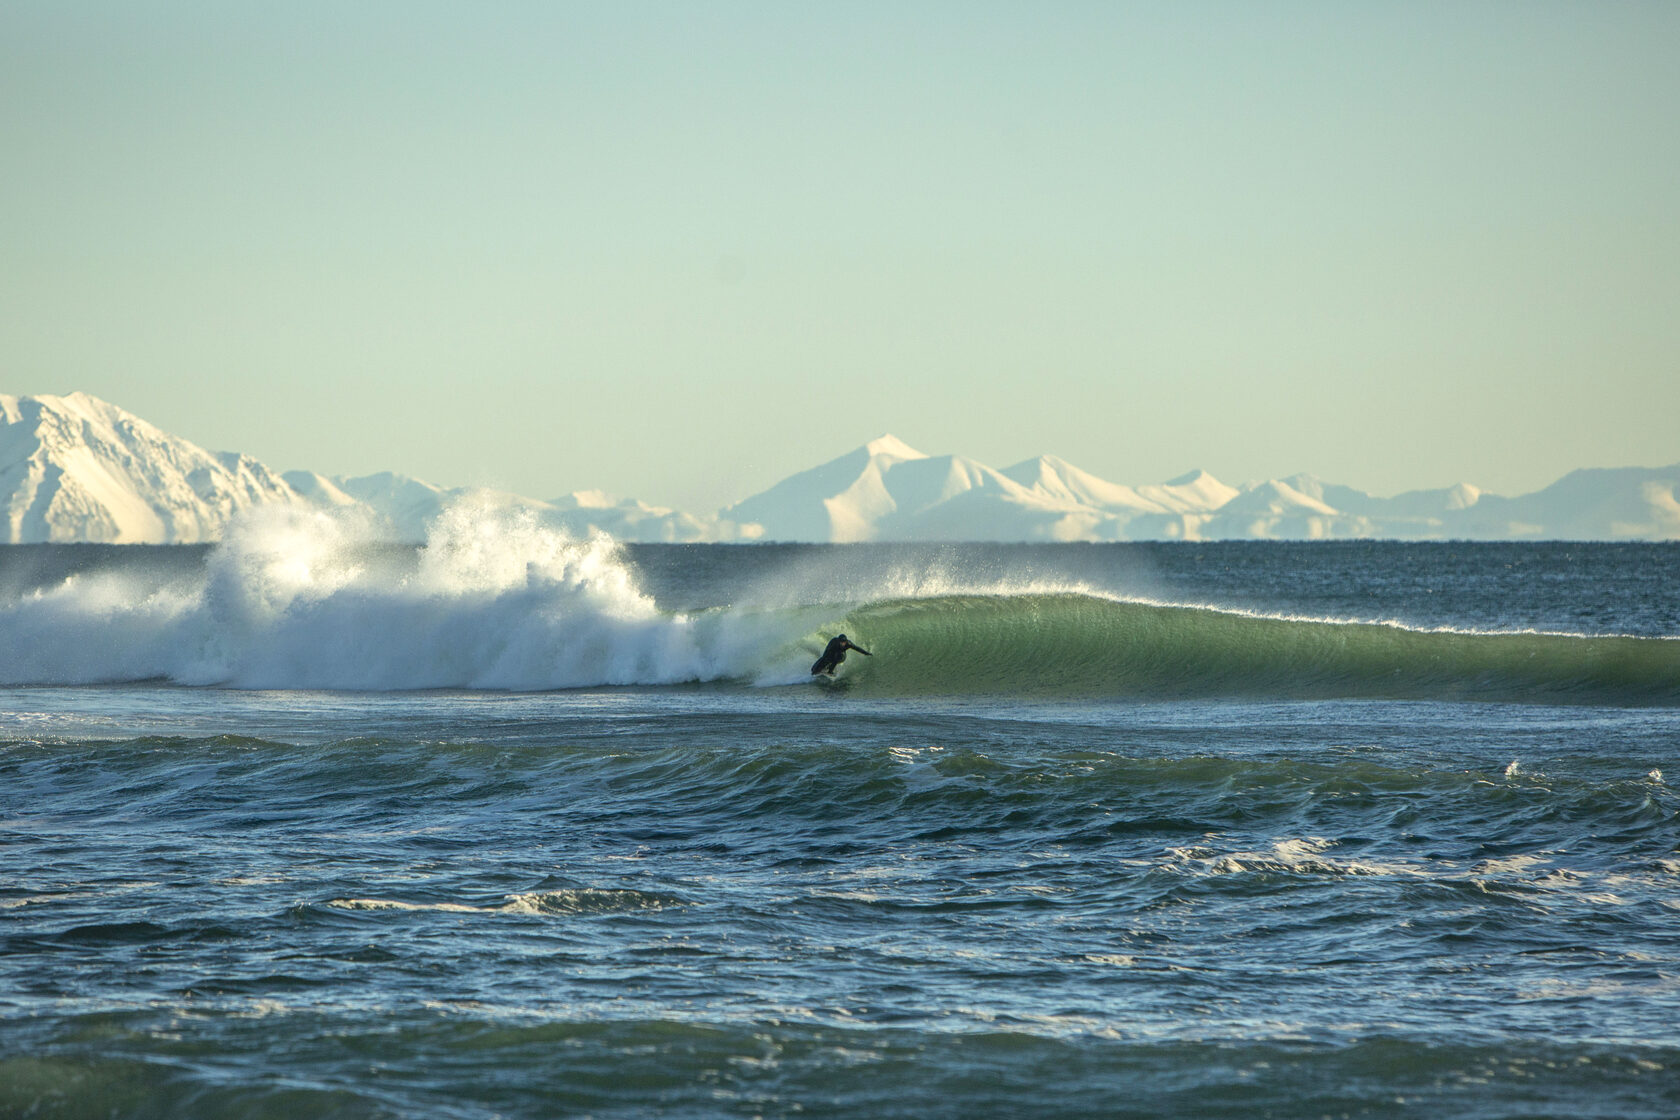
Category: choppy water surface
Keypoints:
(1234, 830)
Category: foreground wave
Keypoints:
(295, 600)
(565, 910)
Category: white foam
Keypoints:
(289, 600)
(584, 900)
(1306, 855)
(393, 904)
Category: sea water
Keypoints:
(517, 825)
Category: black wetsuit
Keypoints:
(834, 654)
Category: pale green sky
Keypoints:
(682, 250)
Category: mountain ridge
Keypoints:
(77, 468)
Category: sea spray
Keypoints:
(304, 599)
(495, 601)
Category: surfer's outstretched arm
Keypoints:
(863, 651)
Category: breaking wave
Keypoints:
(296, 599)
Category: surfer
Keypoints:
(834, 654)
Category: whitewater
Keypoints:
(523, 824)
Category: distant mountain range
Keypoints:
(76, 468)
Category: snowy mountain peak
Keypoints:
(1057, 479)
(76, 468)
(1196, 492)
(1277, 497)
(891, 447)
(1463, 496)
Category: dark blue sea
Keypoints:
(520, 826)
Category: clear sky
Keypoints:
(682, 250)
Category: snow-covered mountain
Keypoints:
(76, 468)
(1628, 503)
(887, 490)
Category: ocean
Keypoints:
(516, 825)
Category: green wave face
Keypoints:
(1073, 645)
